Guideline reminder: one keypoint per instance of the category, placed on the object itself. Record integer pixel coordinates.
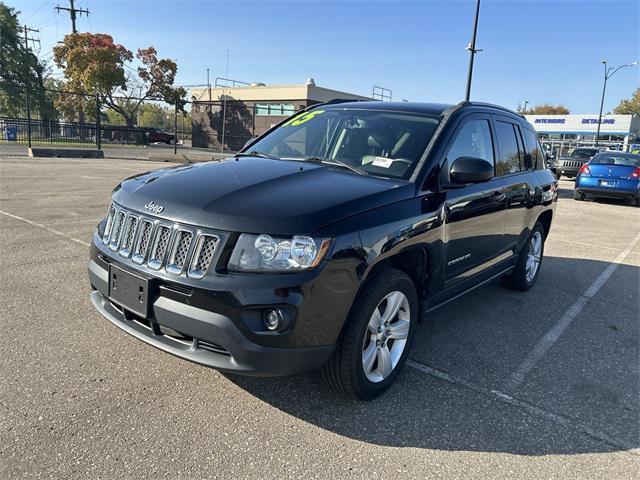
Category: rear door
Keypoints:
(475, 214)
(517, 169)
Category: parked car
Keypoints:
(156, 136)
(610, 175)
(326, 240)
(570, 164)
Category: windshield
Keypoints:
(616, 158)
(583, 153)
(387, 144)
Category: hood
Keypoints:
(259, 195)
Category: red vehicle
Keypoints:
(156, 136)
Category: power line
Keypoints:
(26, 30)
(72, 13)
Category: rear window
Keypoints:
(583, 152)
(614, 158)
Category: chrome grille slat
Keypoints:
(128, 235)
(116, 233)
(180, 251)
(109, 224)
(159, 249)
(142, 242)
(203, 255)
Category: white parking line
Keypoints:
(551, 337)
(44, 227)
(528, 407)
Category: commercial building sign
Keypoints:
(619, 124)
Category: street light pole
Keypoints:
(608, 73)
(526, 102)
(472, 51)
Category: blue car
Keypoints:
(610, 175)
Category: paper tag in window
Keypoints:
(382, 162)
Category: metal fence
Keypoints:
(81, 119)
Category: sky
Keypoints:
(544, 51)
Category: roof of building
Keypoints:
(266, 93)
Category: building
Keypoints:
(233, 115)
(617, 132)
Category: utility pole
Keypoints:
(526, 102)
(27, 80)
(209, 87)
(472, 51)
(608, 73)
(72, 13)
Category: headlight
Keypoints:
(265, 253)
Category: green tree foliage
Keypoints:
(95, 64)
(629, 106)
(547, 109)
(19, 69)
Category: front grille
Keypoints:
(203, 255)
(163, 235)
(572, 163)
(152, 243)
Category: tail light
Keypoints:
(584, 170)
(635, 175)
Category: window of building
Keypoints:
(510, 160)
(275, 109)
(473, 140)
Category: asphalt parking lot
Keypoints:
(500, 384)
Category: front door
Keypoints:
(476, 213)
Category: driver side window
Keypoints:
(473, 140)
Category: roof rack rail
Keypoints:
(489, 105)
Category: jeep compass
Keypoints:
(325, 241)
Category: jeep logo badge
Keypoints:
(154, 207)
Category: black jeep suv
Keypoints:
(324, 242)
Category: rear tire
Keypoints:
(577, 195)
(527, 269)
(370, 330)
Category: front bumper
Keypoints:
(203, 336)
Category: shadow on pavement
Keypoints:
(589, 377)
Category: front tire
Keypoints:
(377, 336)
(527, 269)
(577, 195)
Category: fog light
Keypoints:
(273, 319)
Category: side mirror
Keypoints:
(249, 142)
(470, 170)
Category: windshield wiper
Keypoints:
(335, 161)
(256, 153)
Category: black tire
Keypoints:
(637, 201)
(578, 195)
(559, 176)
(517, 279)
(345, 372)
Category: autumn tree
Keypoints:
(548, 109)
(629, 106)
(19, 69)
(96, 65)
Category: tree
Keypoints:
(629, 106)
(95, 65)
(19, 69)
(547, 109)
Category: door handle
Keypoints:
(498, 197)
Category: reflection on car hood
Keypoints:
(259, 195)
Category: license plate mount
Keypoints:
(131, 291)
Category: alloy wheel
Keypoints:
(534, 256)
(386, 336)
